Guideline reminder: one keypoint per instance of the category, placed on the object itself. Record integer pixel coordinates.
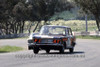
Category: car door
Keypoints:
(69, 37)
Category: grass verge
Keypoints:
(4, 49)
(89, 37)
(21, 38)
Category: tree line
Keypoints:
(14, 13)
(90, 7)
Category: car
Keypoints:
(52, 37)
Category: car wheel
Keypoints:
(48, 50)
(62, 50)
(73, 44)
(36, 50)
(71, 50)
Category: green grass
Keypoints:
(21, 38)
(89, 37)
(64, 15)
(4, 49)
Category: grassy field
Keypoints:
(4, 49)
(77, 25)
(89, 37)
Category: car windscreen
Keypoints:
(52, 30)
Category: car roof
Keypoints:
(57, 26)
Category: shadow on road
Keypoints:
(75, 52)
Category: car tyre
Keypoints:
(36, 50)
(48, 51)
(62, 50)
(71, 50)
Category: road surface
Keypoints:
(87, 54)
(14, 42)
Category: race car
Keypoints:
(52, 37)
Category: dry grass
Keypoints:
(77, 25)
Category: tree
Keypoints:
(42, 10)
(45, 9)
(13, 13)
(9, 22)
(91, 6)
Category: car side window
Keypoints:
(69, 31)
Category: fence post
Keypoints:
(86, 23)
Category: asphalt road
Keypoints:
(14, 42)
(86, 54)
